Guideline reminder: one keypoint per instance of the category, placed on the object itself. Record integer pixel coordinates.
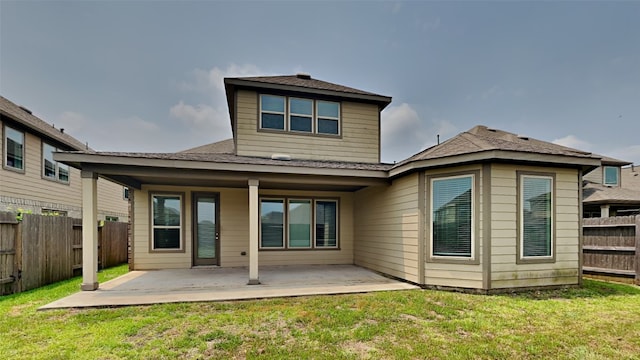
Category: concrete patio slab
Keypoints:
(221, 284)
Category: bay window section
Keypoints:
(326, 223)
(13, 148)
(452, 204)
(301, 115)
(271, 223)
(166, 221)
(299, 223)
(536, 217)
(328, 117)
(272, 112)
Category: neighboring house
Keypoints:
(611, 190)
(301, 182)
(31, 180)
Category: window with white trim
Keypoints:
(13, 148)
(298, 223)
(611, 175)
(452, 216)
(52, 169)
(302, 115)
(536, 216)
(166, 226)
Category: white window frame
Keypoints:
(6, 149)
(318, 117)
(285, 223)
(284, 113)
(521, 256)
(473, 217)
(311, 224)
(604, 175)
(179, 227)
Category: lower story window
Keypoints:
(452, 216)
(166, 221)
(294, 223)
(536, 216)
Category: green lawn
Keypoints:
(599, 321)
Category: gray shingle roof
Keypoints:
(37, 125)
(481, 138)
(594, 193)
(248, 160)
(220, 147)
(630, 178)
(303, 82)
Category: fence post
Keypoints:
(637, 259)
(17, 268)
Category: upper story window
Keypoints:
(299, 115)
(272, 112)
(52, 169)
(611, 175)
(328, 117)
(13, 148)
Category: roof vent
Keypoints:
(26, 110)
(492, 130)
(283, 157)
(523, 137)
(304, 76)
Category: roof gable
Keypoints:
(38, 126)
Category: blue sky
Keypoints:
(147, 76)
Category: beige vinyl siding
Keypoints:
(359, 141)
(505, 272)
(594, 176)
(234, 231)
(456, 274)
(28, 190)
(386, 219)
(111, 200)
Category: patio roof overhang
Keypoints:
(136, 171)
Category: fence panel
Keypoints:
(8, 273)
(40, 250)
(611, 246)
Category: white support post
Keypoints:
(604, 211)
(89, 231)
(253, 232)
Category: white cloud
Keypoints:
(203, 119)
(573, 141)
(404, 133)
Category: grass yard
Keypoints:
(599, 321)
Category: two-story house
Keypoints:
(611, 190)
(301, 182)
(32, 181)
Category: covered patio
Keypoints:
(225, 284)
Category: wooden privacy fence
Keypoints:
(611, 246)
(40, 250)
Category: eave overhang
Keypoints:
(136, 171)
(585, 164)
